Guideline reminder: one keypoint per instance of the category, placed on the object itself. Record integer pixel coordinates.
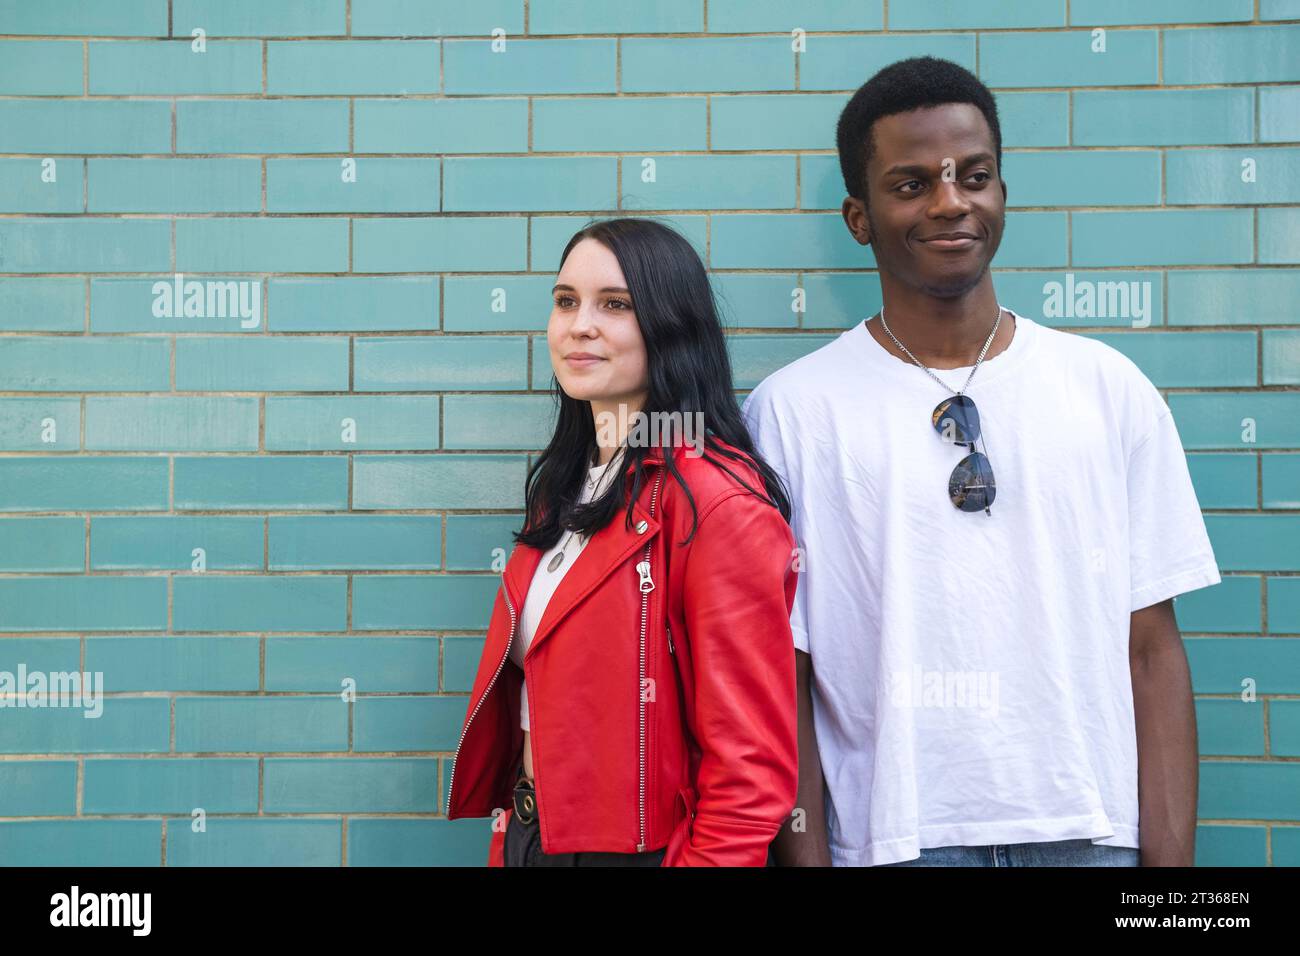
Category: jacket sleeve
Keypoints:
(738, 590)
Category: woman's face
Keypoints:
(596, 347)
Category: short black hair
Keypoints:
(900, 87)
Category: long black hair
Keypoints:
(689, 372)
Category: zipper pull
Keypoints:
(643, 569)
(670, 640)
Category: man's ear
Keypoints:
(1004, 187)
(854, 212)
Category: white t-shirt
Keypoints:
(971, 673)
(545, 583)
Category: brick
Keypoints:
(346, 303)
(354, 542)
(845, 62)
(82, 842)
(42, 544)
(1233, 296)
(469, 244)
(387, 482)
(376, 663)
(261, 725)
(40, 363)
(1241, 54)
(650, 123)
(350, 785)
(257, 842)
(773, 16)
(171, 423)
(498, 422)
(1163, 117)
(595, 16)
(262, 363)
(83, 602)
(458, 602)
(259, 602)
(379, 185)
(368, 67)
(529, 66)
(724, 64)
(252, 18)
(1162, 237)
(40, 67)
(481, 362)
(260, 126)
(143, 663)
(262, 245)
(166, 68)
(99, 483)
(74, 18)
(168, 543)
(85, 245)
(176, 785)
(1116, 12)
(480, 124)
(435, 17)
(405, 724)
(174, 185)
(510, 184)
(280, 482)
(352, 423)
(30, 304)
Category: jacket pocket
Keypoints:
(683, 816)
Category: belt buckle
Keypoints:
(525, 801)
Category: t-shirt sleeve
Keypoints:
(764, 425)
(1169, 549)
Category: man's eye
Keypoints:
(986, 176)
(910, 182)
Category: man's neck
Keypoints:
(943, 333)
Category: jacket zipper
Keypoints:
(451, 784)
(647, 585)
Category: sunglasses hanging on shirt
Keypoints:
(970, 486)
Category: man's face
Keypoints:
(933, 172)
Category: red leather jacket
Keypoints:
(661, 697)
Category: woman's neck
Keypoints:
(612, 423)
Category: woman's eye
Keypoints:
(620, 303)
(562, 299)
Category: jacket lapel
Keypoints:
(519, 574)
(607, 550)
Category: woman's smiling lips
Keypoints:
(582, 359)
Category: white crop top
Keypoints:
(545, 582)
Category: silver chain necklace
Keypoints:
(556, 561)
(983, 352)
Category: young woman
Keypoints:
(635, 701)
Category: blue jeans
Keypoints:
(1058, 853)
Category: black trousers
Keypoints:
(523, 847)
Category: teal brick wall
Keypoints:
(235, 516)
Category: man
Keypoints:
(990, 671)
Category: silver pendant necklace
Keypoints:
(558, 559)
(983, 352)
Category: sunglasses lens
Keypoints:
(957, 420)
(971, 486)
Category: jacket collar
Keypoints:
(607, 550)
